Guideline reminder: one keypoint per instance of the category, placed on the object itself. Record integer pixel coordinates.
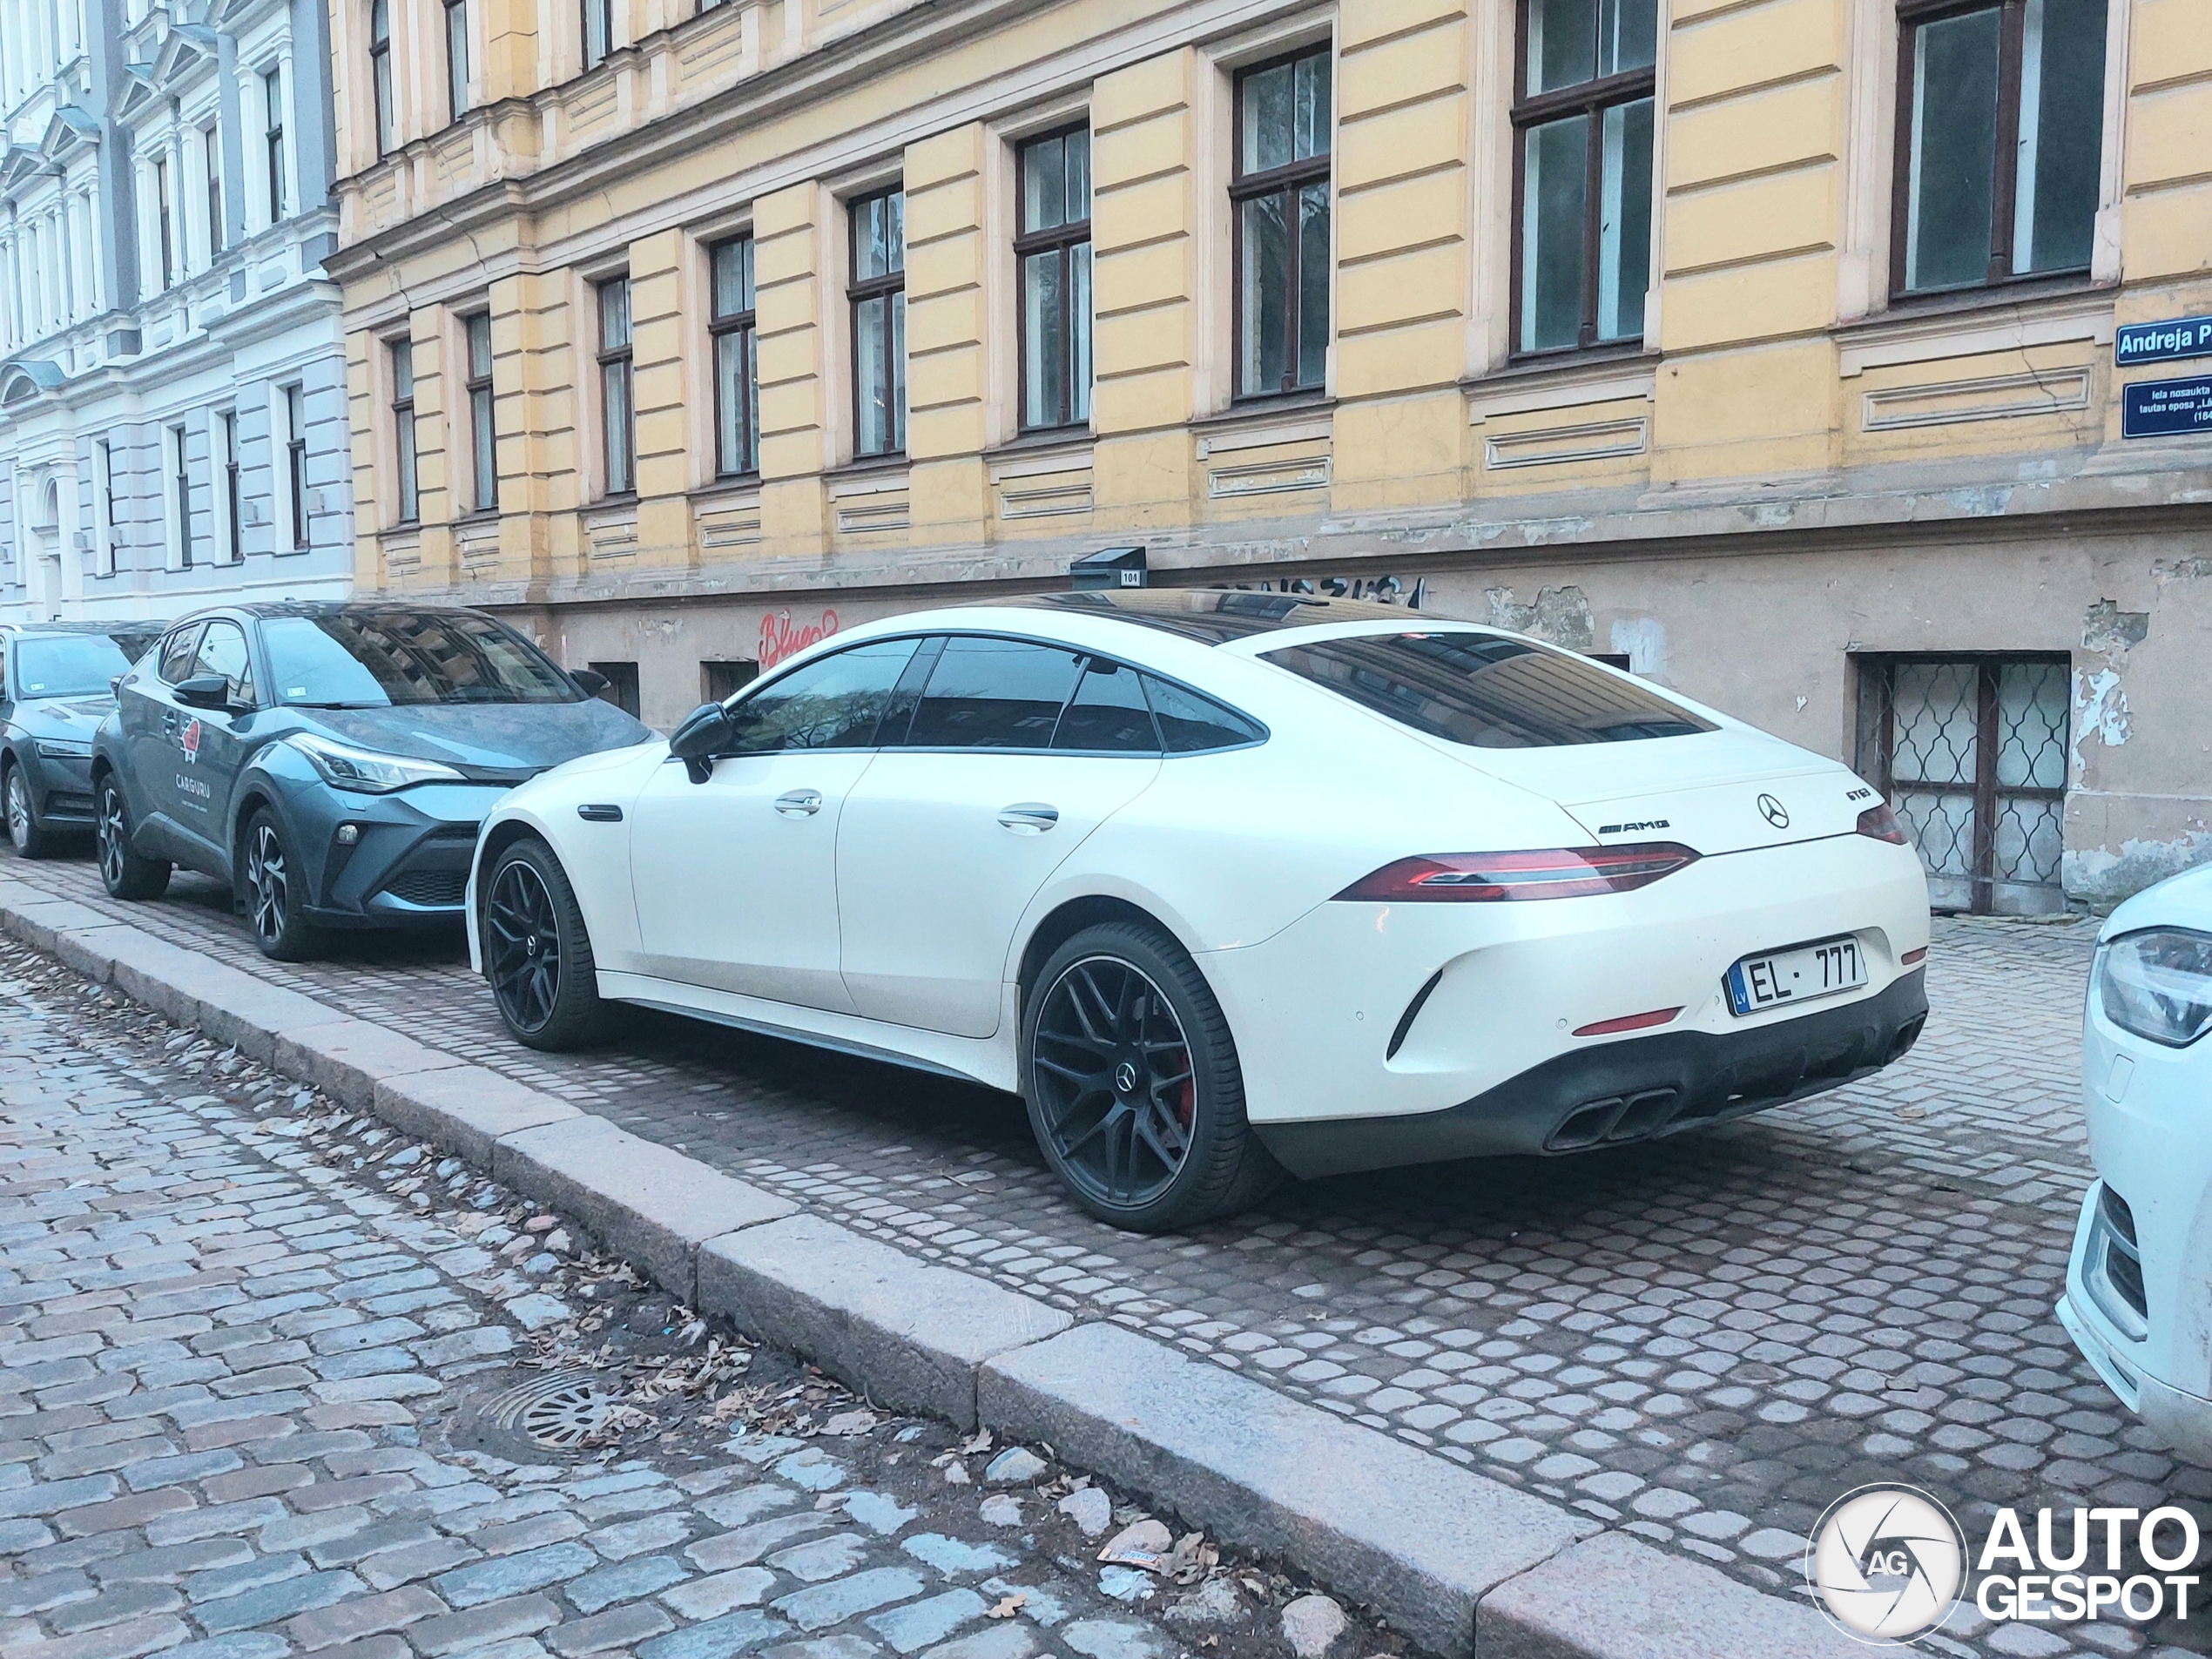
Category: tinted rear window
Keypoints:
(1486, 692)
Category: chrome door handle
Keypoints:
(1029, 816)
(800, 803)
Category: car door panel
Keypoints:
(212, 746)
(151, 722)
(946, 839)
(734, 877)
(939, 855)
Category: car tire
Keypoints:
(33, 840)
(1134, 1092)
(537, 953)
(126, 873)
(272, 876)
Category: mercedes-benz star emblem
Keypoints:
(1125, 1076)
(1774, 812)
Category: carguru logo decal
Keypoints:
(188, 740)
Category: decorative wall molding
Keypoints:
(1550, 445)
(1995, 397)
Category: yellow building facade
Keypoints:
(1771, 348)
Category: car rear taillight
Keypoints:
(1560, 873)
(1880, 822)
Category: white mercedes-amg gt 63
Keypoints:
(1225, 884)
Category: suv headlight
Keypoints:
(368, 770)
(2158, 984)
(64, 749)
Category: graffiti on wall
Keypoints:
(1383, 589)
(781, 635)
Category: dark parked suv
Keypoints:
(331, 761)
(57, 685)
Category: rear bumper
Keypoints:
(1635, 1089)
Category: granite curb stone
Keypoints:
(909, 1333)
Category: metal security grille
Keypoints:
(1971, 753)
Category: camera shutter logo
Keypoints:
(1889, 1563)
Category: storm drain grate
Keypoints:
(557, 1411)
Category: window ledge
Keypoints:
(1565, 381)
(611, 507)
(718, 491)
(1979, 319)
(867, 475)
(1258, 423)
(1064, 449)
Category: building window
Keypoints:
(273, 112)
(403, 428)
(380, 64)
(737, 376)
(104, 502)
(483, 434)
(617, 414)
(879, 299)
(1280, 199)
(720, 681)
(212, 151)
(226, 435)
(1582, 172)
(295, 454)
(2000, 141)
(1053, 249)
(622, 685)
(598, 31)
(164, 228)
(180, 498)
(457, 57)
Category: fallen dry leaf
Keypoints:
(1008, 1607)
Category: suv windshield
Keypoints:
(373, 659)
(1489, 692)
(75, 664)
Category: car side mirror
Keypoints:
(706, 732)
(590, 682)
(205, 692)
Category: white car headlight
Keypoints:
(368, 769)
(2158, 984)
(64, 749)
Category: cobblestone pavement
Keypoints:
(1707, 1341)
(252, 1357)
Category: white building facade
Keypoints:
(172, 422)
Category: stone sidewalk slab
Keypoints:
(910, 1334)
(348, 1058)
(648, 1202)
(1419, 1540)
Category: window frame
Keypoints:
(858, 292)
(605, 11)
(295, 446)
(1061, 239)
(165, 221)
(1912, 16)
(104, 506)
(226, 424)
(272, 136)
(483, 416)
(181, 440)
(384, 113)
(1592, 98)
(612, 358)
(406, 453)
(457, 63)
(745, 325)
(1287, 180)
(210, 148)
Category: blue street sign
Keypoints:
(2160, 409)
(2162, 342)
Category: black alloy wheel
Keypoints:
(125, 873)
(1133, 1085)
(537, 954)
(33, 840)
(274, 893)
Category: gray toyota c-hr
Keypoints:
(330, 761)
(57, 685)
